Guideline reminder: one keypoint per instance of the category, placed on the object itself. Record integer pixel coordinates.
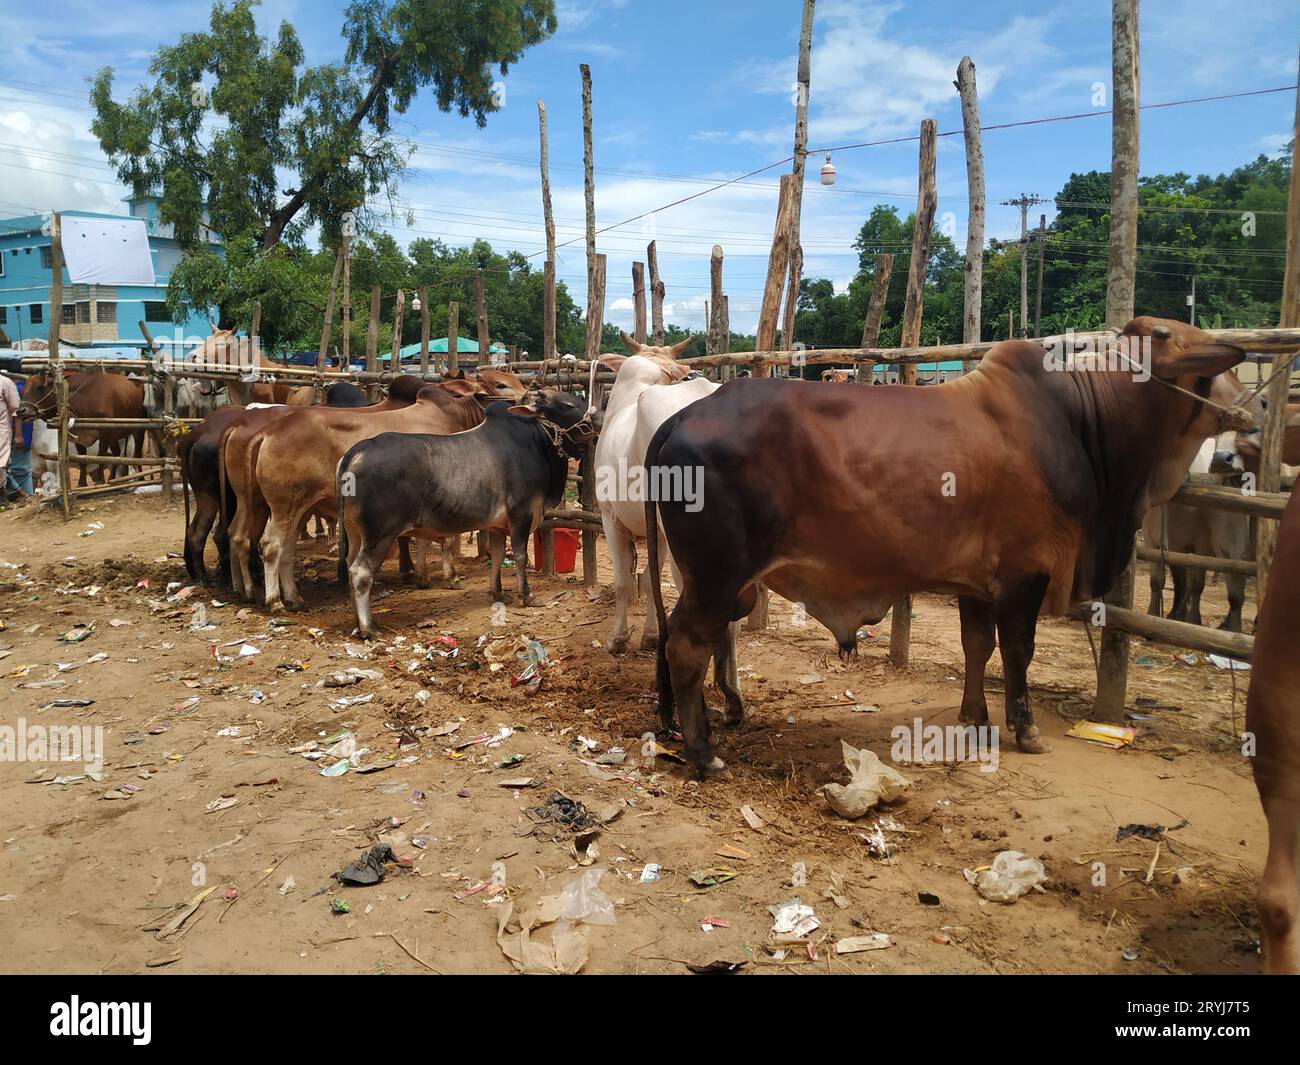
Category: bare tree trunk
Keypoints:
(973, 293)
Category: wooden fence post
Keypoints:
(900, 626)
(399, 313)
(638, 302)
(453, 333)
(484, 341)
(802, 87)
(1112, 667)
(56, 359)
(372, 340)
(876, 311)
(424, 331)
(329, 320)
(1271, 444)
(656, 294)
(973, 293)
(777, 263)
(548, 268)
(714, 341)
(346, 360)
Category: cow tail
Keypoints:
(342, 523)
(221, 480)
(190, 566)
(663, 678)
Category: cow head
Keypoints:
(501, 384)
(562, 415)
(669, 352)
(40, 399)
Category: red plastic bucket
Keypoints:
(566, 549)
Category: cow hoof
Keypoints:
(454, 583)
(731, 717)
(530, 600)
(1028, 741)
(716, 768)
(974, 717)
(649, 641)
(617, 646)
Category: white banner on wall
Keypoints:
(107, 251)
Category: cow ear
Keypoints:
(629, 343)
(460, 387)
(677, 349)
(524, 412)
(1204, 359)
(611, 360)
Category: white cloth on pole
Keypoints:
(107, 251)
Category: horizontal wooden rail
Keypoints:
(1172, 633)
(1205, 562)
(1220, 497)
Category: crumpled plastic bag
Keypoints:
(873, 782)
(581, 902)
(1010, 876)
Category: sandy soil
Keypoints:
(85, 877)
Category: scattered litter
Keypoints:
(221, 804)
(1112, 736)
(707, 878)
(78, 634)
(716, 968)
(864, 708)
(1010, 876)
(710, 922)
(351, 676)
(651, 873)
(811, 678)
(1223, 662)
(1155, 833)
(793, 918)
(369, 869)
(752, 819)
(872, 782)
(857, 944)
(581, 902)
(289, 884)
(729, 851)
(562, 812)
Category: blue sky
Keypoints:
(686, 94)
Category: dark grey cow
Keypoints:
(499, 476)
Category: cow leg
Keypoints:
(497, 550)
(521, 530)
(196, 537)
(1195, 589)
(405, 568)
(1156, 582)
(1180, 608)
(1278, 897)
(1236, 583)
(726, 675)
(361, 573)
(977, 642)
(1017, 620)
(650, 635)
(450, 552)
(620, 543)
(240, 544)
(277, 561)
(694, 631)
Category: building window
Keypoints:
(2, 266)
(47, 258)
(106, 312)
(83, 313)
(4, 315)
(69, 314)
(37, 314)
(156, 311)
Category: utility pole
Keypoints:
(1191, 303)
(1024, 203)
(1038, 297)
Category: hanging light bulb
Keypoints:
(415, 302)
(828, 171)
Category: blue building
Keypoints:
(94, 316)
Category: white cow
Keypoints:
(648, 390)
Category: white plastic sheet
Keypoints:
(107, 251)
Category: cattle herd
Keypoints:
(1017, 488)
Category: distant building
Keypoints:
(94, 316)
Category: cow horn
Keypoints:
(629, 343)
(677, 349)
(1162, 332)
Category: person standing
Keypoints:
(15, 447)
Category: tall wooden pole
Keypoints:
(329, 313)
(453, 332)
(876, 310)
(638, 302)
(777, 263)
(372, 332)
(347, 300)
(1112, 666)
(656, 294)
(484, 341)
(424, 330)
(1270, 460)
(1038, 292)
(973, 292)
(900, 626)
(714, 336)
(587, 488)
(56, 359)
(399, 313)
(594, 322)
(548, 268)
(803, 80)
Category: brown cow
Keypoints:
(223, 349)
(1033, 480)
(91, 394)
(1249, 444)
(293, 465)
(199, 452)
(1273, 722)
(236, 449)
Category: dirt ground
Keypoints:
(87, 880)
